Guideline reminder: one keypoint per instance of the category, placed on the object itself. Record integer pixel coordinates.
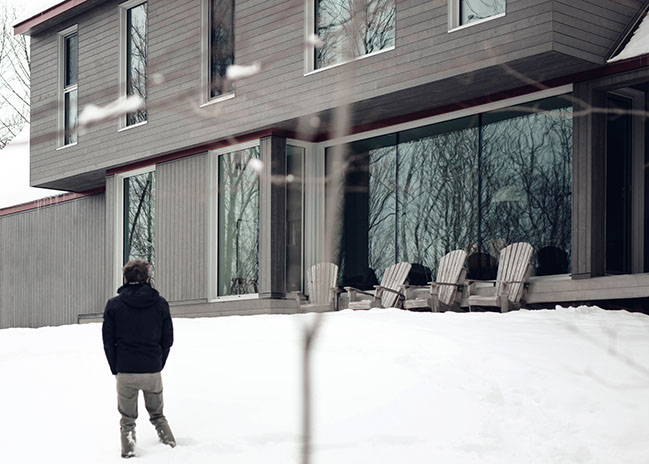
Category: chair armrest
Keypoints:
(408, 286)
(411, 291)
(386, 289)
(353, 291)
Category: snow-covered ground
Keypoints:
(558, 386)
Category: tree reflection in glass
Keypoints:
(136, 52)
(526, 175)
(139, 217)
(438, 187)
(477, 183)
(221, 45)
(238, 223)
(352, 28)
(475, 10)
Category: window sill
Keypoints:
(132, 126)
(67, 146)
(350, 61)
(247, 296)
(474, 23)
(219, 99)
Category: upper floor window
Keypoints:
(218, 47)
(348, 29)
(68, 66)
(465, 12)
(133, 18)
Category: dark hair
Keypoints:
(137, 271)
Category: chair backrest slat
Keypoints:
(393, 277)
(449, 271)
(320, 279)
(512, 267)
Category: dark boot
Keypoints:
(165, 435)
(128, 443)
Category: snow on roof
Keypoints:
(33, 8)
(638, 45)
(14, 173)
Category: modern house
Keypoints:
(366, 132)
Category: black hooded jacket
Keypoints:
(137, 330)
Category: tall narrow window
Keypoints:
(349, 29)
(134, 23)
(139, 217)
(218, 47)
(69, 74)
(221, 45)
(294, 217)
(238, 223)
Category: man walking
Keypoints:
(138, 334)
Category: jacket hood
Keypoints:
(138, 295)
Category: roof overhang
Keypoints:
(58, 11)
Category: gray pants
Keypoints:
(128, 387)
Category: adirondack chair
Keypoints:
(323, 292)
(446, 292)
(386, 295)
(511, 283)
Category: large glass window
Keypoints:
(438, 187)
(139, 217)
(69, 62)
(352, 28)
(476, 183)
(221, 45)
(294, 217)
(136, 54)
(526, 181)
(475, 10)
(238, 223)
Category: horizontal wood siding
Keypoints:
(589, 28)
(273, 34)
(181, 228)
(52, 263)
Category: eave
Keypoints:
(49, 16)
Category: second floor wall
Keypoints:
(430, 64)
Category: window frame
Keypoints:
(454, 23)
(206, 71)
(213, 223)
(118, 222)
(309, 49)
(123, 54)
(62, 36)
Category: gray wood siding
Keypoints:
(426, 53)
(181, 228)
(109, 214)
(589, 28)
(52, 263)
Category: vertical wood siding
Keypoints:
(52, 263)
(181, 228)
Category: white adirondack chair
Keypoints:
(386, 295)
(511, 282)
(446, 292)
(321, 285)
